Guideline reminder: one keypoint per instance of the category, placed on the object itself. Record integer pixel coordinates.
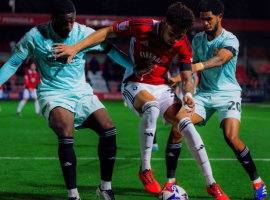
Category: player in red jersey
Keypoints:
(1, 93)
(155, 42)
(31, 79)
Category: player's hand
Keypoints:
(172, 81)
(63, 49)
(194, 68)
(187, 100)
(139, 73)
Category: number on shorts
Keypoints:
(238, 106)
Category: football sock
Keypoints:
(196, 148)
(106, 185)
(68, 161)
(107, 152)
(36, 107)
(147, 131)
(73, 193)
(172, 155)
(21, 104)
(155, 138)
(245, 159)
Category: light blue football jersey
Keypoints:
(219, 80)
(56, 74)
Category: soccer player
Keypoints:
(31, 79)
(66, 100)
(215, 53)
(157, 42)
(3, 86)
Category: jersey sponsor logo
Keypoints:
(151, 57)
(55, 60)
(124, 25)
(145, 43)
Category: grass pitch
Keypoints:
(30, 168)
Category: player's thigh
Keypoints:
(26, 94)
(228, 107)
(61, 122)
(230, 127)
(34, 94)
(136, 95)
(99, 121)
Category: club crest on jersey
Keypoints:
(215, 51)
(124, 25)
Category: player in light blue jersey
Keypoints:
(215, 54)
(66, 100)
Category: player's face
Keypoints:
(63, 24)
(171, 33)
(33, 67)
(210, 22)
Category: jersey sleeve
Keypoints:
(26, 80)
(195, 57)
(132, 27)
(185, 52)
(231, 44)
(97, 47)
(25, 46)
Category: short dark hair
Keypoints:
(216, 6)
(62, 7)
(180, 15)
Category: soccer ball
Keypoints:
(173, 192)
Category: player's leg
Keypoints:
(26, 95)
(230, 128)
(34, 96)
(61, 122)
(155, 144)
(102, 124)
(145, 103)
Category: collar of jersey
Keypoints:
(55, 35)
(217, 38)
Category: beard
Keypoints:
(213, 32)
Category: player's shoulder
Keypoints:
(199, 35)
(41, 29)
(144, 25)
(228, 35)
(82, 30)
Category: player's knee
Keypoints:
(232, 140)
(151, 110)
(62, 129)
(175, 136)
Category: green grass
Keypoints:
(27, 137)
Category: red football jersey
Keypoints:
(148, 48)
(31, 78)
(1, 86)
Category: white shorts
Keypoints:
(1, 94)
(227, 107)
(26, 94)
(164, 94)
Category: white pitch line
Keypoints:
(185, 159)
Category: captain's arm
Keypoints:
(223, 56)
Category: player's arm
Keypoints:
(9, 68)
(122, 59)
(223, 56)
(92, 39)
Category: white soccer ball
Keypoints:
(173, 192)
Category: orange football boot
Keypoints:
(149, 183)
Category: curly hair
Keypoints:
(62, 7)
(180, 15)
(216, 6)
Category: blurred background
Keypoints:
(248, 20)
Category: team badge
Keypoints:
(124, 25)
(216, 51)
